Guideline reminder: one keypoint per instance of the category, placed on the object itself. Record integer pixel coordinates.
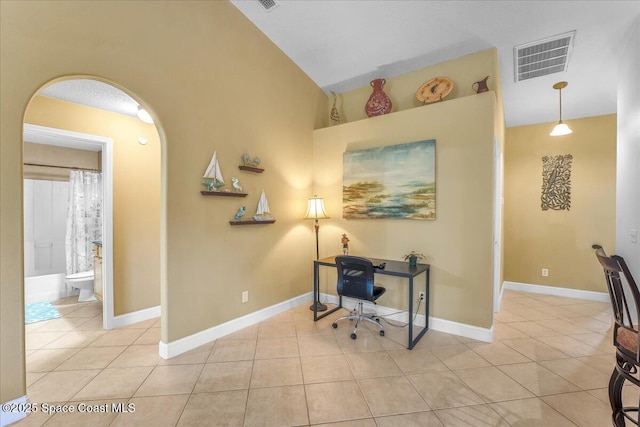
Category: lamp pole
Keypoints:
(315, 210)
(317, 227)
(318, 305)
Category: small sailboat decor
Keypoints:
(262, 212)
(213, 175)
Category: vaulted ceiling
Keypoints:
(344, 44)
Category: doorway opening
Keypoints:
(46, 203)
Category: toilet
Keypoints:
(84, 282)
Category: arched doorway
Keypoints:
(129, 156)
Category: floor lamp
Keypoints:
(315, 211)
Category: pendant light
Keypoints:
(560, 128)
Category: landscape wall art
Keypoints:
(394, 181)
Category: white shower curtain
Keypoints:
(84, 219)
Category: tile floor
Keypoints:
(548, 366)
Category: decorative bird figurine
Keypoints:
(240, 212)
(236, 184)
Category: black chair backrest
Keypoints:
(355, 277)
(626, 312)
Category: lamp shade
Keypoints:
(560, 129)
(315, 209)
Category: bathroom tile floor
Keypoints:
(549, 365)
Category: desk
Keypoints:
(392, 268)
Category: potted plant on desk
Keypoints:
(413, 258)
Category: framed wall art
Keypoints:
(394, 181)
(556, 182)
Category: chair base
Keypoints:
(621, 414)
(359, 315)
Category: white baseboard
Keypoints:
(11, 416)
(555, 291)
(175, 348)
(135, 317)
(435, 323)
(461, 329)
(496, 309)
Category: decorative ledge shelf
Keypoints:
(251, 222)
(223, 193)
(251, 169)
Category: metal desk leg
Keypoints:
(315, 291)
(413, 342)
(316, 285)
(410, 345)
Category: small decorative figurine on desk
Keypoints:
(240, 213)
(345, 244)
(236, 184)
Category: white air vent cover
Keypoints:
(268, 5)
(543, 57)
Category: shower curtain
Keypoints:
(84, 219)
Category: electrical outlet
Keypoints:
(545, 272)
(245, 296)
(421, 295)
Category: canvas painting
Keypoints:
(395, 181)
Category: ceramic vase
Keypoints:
(413, 261)
(378, 103)
(334, 115)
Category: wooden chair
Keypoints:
(626, 312)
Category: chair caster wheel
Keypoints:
(381, 333)
(334, 325)
(354, 336)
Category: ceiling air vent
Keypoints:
(543, 57)
(268, 5)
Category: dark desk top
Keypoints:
(392, 268)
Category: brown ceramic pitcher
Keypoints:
(482, 85)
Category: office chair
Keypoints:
(355, 280)
(626, 312)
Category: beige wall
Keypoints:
(459, 242)
(136, 194)
(212, 81)
(560, 240)
(50, 155)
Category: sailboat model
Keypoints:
(213, 174)
(262, 212)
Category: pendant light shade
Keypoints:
(561, 128)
